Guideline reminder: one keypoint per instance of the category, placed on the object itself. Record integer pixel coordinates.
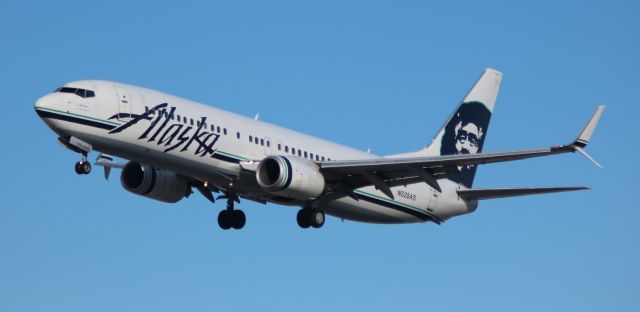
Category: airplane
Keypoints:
(174, 146)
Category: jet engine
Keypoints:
(290, 177)
(155, 183)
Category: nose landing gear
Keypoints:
(81, 147)
(83, 166)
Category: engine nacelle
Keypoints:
(290, 177)
(155, 183)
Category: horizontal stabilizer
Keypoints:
(479, 194)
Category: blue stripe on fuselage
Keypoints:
(100, 125)
(73, 119)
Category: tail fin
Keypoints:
(466, 130)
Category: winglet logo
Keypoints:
(465, 134)
(175, 135)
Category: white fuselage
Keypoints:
(178, 145)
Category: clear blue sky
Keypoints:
(373, 74)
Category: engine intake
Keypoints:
(155, 183)
(291, 177)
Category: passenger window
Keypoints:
(250, 139)
(191, 121)
(224, 131)
(305, 154)
(279, 147)
(268, 144)
(262, 142)
(299, 153)
(218, 128)
(293, 151)
(322, 158)
(238, 135)
(286, 149)
(311, 156)
(184, 119)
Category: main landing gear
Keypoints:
(83, 166)
(310, 217)
(231, 218)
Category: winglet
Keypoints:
(583, 139)
(585, 135)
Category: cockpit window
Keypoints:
(83, 93)
(66, 90)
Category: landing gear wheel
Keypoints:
(231, 218)
(316, 218)
(224, 219)
(239, 219)
(310, 218)
(303, 220)
(85, 167)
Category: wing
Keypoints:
(384, 173)
(480, 194)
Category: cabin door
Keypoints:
(124, 103)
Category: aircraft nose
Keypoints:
(42, 102)
(45, 105)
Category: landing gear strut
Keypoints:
(80, 147)
(230, 217)
(310, 217)
(83, 166)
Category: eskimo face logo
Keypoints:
(468, 137)
(464, 134)
(176, 135)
